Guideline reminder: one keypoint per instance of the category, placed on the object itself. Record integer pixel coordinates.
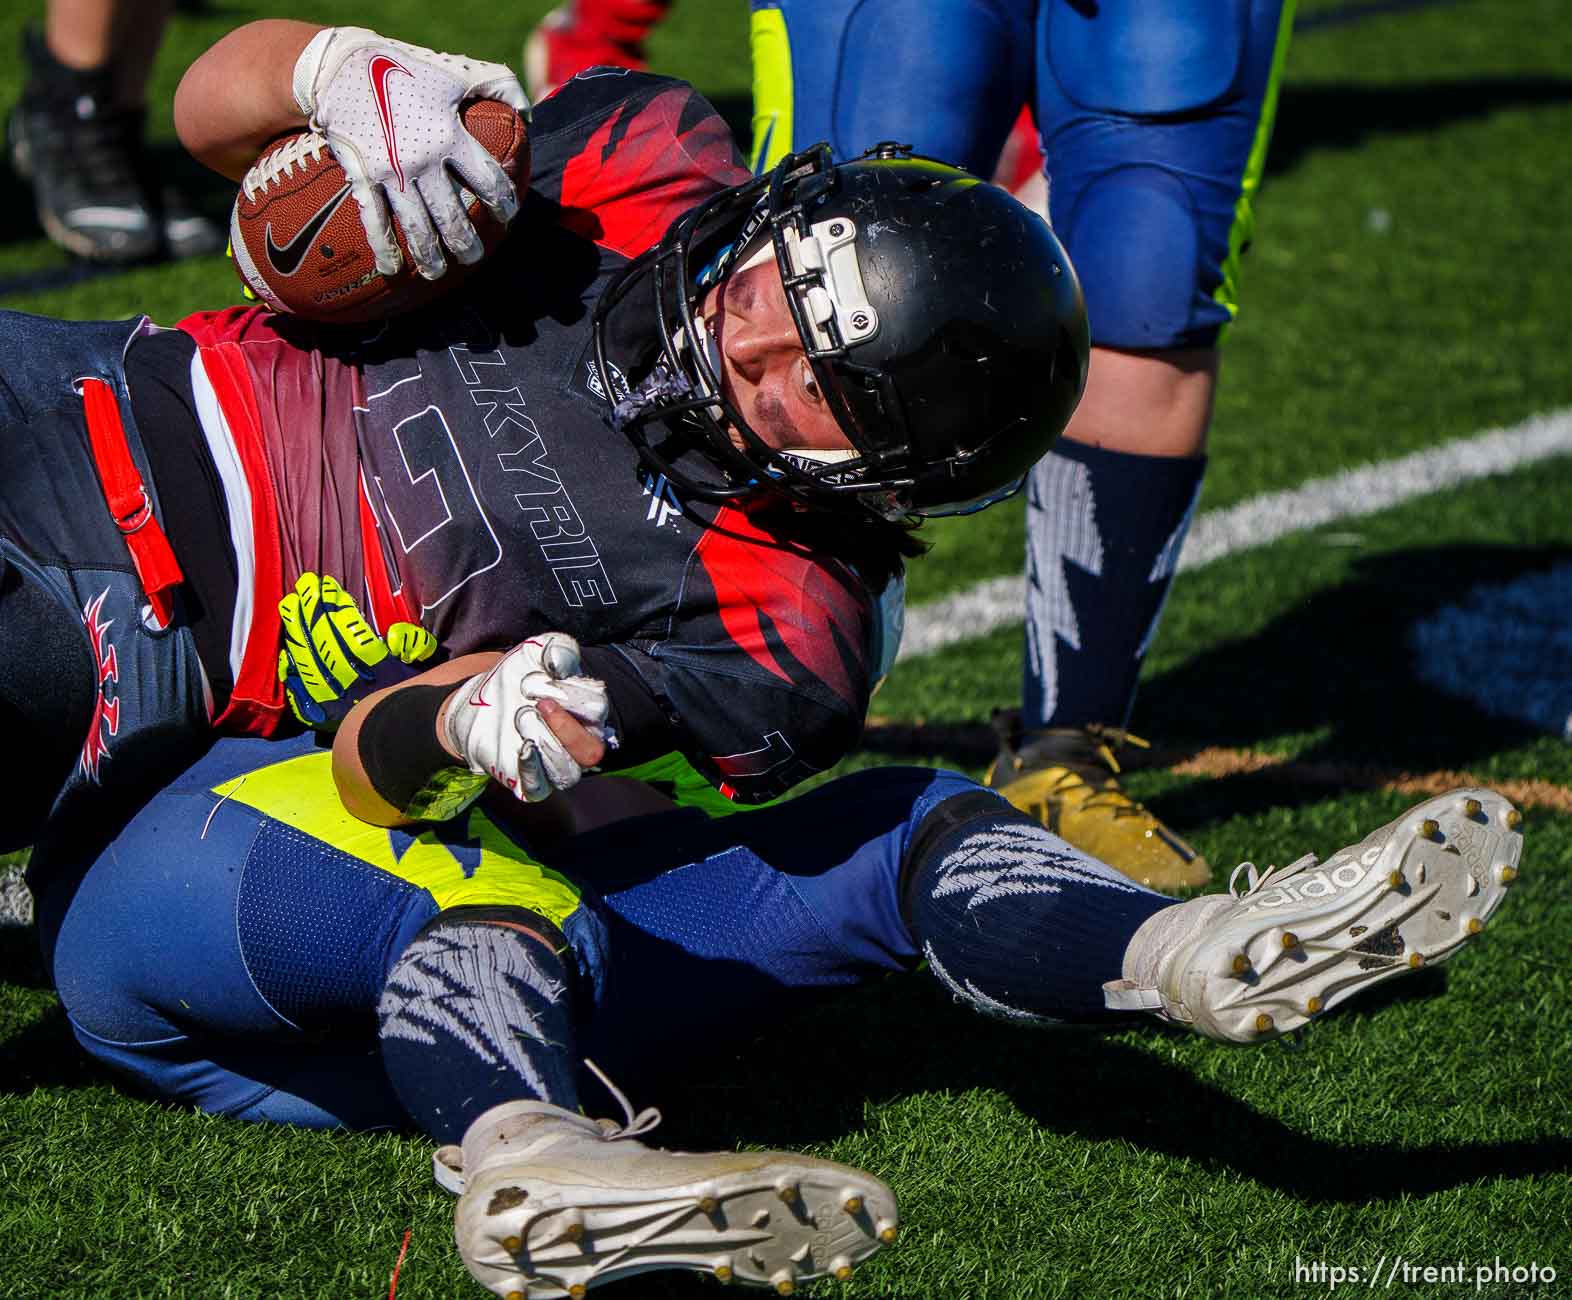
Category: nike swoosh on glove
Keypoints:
(333, 658)
(391, 114)
(493, 721)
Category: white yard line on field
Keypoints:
(1352, 494)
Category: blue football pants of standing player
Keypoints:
(245, 946)
(1154, 118)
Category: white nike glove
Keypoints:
(493, 721)
(390, 113)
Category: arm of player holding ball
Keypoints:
(424, 749)
(390, 112)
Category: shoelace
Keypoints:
(282, 161)
(635, 1125)
(1109, 740)
(1258, 879)
(1111, 797)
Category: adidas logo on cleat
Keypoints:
(1320, 883)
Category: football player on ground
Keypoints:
(629, 429)
(246, 946)
(1155, 119)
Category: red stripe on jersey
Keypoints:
(257, 704)
(388, 605)
(637, 174)
(817, 615)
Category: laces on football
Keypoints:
(274, 165)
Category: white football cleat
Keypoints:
(554, 1204)
(1303, 938)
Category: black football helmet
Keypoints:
(942, 319)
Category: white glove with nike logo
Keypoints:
(493, 721)
(390, 113)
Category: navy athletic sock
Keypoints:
(1015, 922)
(1104, 530)
(474, 1013)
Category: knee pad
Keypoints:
(1135, 237)
(1146, 58)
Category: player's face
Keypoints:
(763, 371)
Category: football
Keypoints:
(298, 243)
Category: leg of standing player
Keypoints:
(1154, 213)
(79, 134)
(585, 34)
(1154, 161)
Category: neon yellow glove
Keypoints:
(333, 657)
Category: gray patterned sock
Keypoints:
(1020, 925)
(476, 1012)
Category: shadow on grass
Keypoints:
(1346, 115)
(812, 1078)
(1072, 1082)
(1340, 663)
(45, 1054)
(1343, 663)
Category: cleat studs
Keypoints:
(1313, 1007)
(887, 1232)
(1395, 880)
(1430, 829)
(1241, 964)
(1290, 939)
(787, 1191)
(723, 1274)
(514, 1295)
(852, 1204)
(784, 1280)
(1508, 875)
(512, 1244)
(578, 1291)
(1415, 960)
(1475, 925)
(841, 1268)
(1472, 808)
(1264, 1024)
(1514, 819)
(708, 1204)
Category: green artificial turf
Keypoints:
(1410, 285)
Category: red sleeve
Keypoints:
(767, 667)
(625, 155)
(230, 325)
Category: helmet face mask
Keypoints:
(896, 313)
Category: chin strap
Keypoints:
(661, 388)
